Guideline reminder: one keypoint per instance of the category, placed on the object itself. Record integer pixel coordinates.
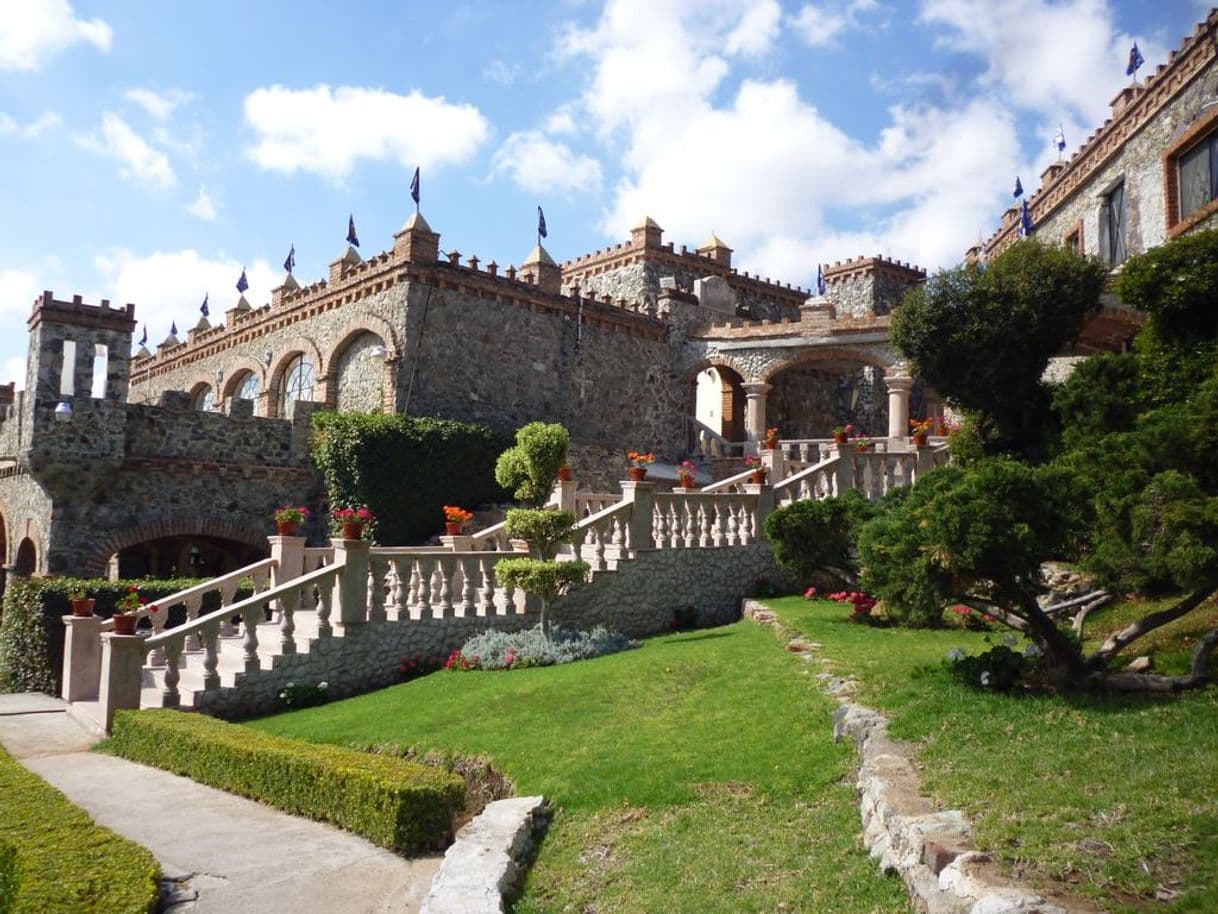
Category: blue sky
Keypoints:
(149, 151)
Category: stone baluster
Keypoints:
(704, 524)
(733, 526)
(156, 656)
(486, 602)
(401, 592)
(325, 597)
(251, 615)
(287, 625)
(170, 697)
(466, 568)
(228, 590)
(378, 570)
(444, 603)
(211, 656)
(423, 601)
(193, 604)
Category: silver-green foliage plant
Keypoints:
(496, 650)
(531, 466)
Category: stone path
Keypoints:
(219, 853)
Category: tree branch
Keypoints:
(993, 609)
(1080, 618)
(1198, 677)
(1144, 626)
(1076, 601)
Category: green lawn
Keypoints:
(1118, 797)
(695, 774)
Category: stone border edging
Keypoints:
(931, 849)
(485, 866)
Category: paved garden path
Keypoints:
(219, 853)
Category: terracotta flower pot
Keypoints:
(757, 477)
(125, 625)
(353, 530)
(287, 527)
(82, 607)
(452, 528)
(637, 474)
(839, 438)
(565, 474)
(919, 439)
(686, 481)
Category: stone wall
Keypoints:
(359, 374)
(807, 401)
(25, 508)
(639, 600)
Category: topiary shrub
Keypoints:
(405, 468)
(530, 468)
(813, 537)
(392, 802)
(545, 580)
(25, 665)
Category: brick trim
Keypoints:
(95, 564)
(1205, 127)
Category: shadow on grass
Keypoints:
(697, 636)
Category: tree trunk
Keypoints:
(1144, 626)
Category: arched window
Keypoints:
(205, 398)
(247, 386)
(297, 383)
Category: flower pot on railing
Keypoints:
(637, 474)
(919, 439)
(82, 607)
(840, 438)
(125, 625)
(452, 528)
(565, 474)
(757, 477)
(287, 527)
(685, 480)
(353, 530)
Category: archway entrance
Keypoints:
(807, 400)
(25, 563)
(184, 557)
(719, 401)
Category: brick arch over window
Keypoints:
(95, 564)
(197, 385)
(876, 358)
(368, 326)
(715, 361)
(237, 370)
(368, 323)
(302, 346)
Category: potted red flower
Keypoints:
(81, 604)
(455, 518)
(685, 474)
(771, 439)
(128, 610)
(842, 433)
(289, 518)
(758, 468)
(639, 461)
(353, 520)
(920, 429)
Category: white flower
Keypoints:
(323, 684)
(283, 696)
(290, 685)
(985, 678)
(1033, 651)
(955, 654)
(1010, 640)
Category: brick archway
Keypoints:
(274, 385)
(95, 564)
(860, 355)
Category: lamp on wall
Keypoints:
(268, 357)
(63, 411)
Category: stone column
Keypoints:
(288, 555)
(640, 516)
(754, 409)
(351, 589)
(765, 504)
(459, 543)
(775, 463)
(899, 386)
(122, 675)
(82, 658)
(564, 494)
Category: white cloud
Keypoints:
(14, 370)
(542, 165)
(138, 159)
(33, 31)
(18, 289)
(46, 121)
(1055, 58)
(561, 121)
(327, 131)
(203, 207)
(502, 72)
(168, 286)
(159, 104)
(819, 25)
(757, 29)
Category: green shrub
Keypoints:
(391, 802)
(811, 537)
(996, 670)
(530, 467)
(406, 469)
(9, 879)
(543, 530)
(65, 862)
(25, 665)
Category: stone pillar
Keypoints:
(287, 552)
(351, 588)
(459, 543)
(564, 495)
(754, 409)
(122, 675)
(82, 658)
(775, 463)
(765, 504)
(899, 387)
(640, 516)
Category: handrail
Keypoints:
(796, 478)
(226, 612)
(623, 507)
(213, 583)
(738, 479)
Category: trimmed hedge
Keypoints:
(66, 863)
(406, 468)
(9, 879)
(397, 804)
(30, 663)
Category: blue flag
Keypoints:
(1135, 60)
(820, 280)
(144, 338)
(242, 283)
(541, 223)
(173, 329)
(1026, 226)
(203, 307)
(414, 187)
(352, 238)
(1018, 188)
(290, 262)
(1060, 140)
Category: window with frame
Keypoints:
(1073, 240)
(247, 387)
(1197, 176)
(1190, 173)
(1112, 225)
(205, 399)
(297, 383)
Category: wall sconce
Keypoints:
(377, 351)
(268, 357)
(63, 411)
(196, 557)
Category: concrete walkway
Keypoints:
(219, 853)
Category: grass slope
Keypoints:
(1118, 796)
(696, 774)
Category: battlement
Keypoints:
(860, 266)
(813, 322)
(48, 309)
(1133, 108)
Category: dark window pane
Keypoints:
(1194, 179)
